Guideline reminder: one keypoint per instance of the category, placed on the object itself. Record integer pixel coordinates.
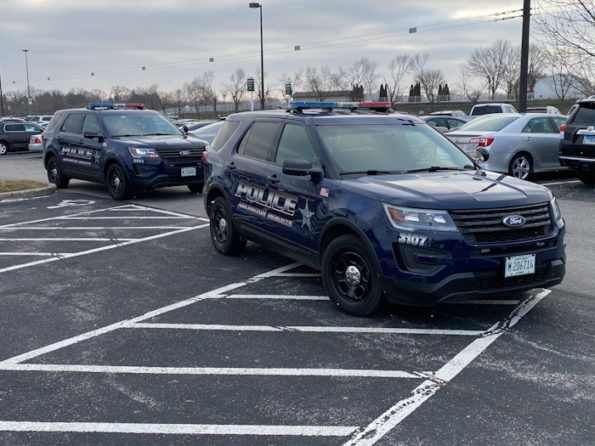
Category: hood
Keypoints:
(163, 141)
(450, 190)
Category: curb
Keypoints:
(29, 193)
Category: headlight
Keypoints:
(411, 219)
(556, 214)
(136, 152)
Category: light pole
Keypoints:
(258, 5)
(29, 101)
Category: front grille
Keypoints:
(173, 155)
(486, 226)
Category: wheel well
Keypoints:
(332, 233)
(49, 156)
(107, 166)
(214, 192)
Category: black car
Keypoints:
(387, 208)
(124, 146)
(15, 134)
(577, 148)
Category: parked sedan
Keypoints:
(207, 133)
(519, 144)
(445, 123)
(36, 143)
(16, 135)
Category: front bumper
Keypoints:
(149, 175)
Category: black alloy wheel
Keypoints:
(226, 240)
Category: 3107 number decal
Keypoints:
(412, 239)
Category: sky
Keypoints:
(174, 39)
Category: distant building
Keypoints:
(552, 87)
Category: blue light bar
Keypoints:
(302, 105)
(100, 105)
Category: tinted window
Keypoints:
(54, 121)
(73, 123)
(91, 124)
(558, 122)
(539, 125)
(31, 128)
(454, 123)
(261, 140)
(487, 109)
(14, 127)
(224, 134)
(585, 115)
(294, 143)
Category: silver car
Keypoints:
(519, 144)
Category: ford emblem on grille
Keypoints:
(514, 221)
(185, 152)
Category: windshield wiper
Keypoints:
(156, 134)
(372, 172)
(437, 168)
(124, 136)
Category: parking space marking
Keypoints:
(372, 433)
(39, 254)
(64, 239)
(556, 183)
(181, 429)
(309, 329)
(234, 371)
(92, 228)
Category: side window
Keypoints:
(538, 125)
(73, 123)
(294, 143)
(454, 123)
(558, 123)
(14, 127)
(32, 128)
(224, 134)
(54, 121)
(261, 140)
(90, 124)
(435, 122)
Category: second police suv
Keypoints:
(383, 204)
(124, 146)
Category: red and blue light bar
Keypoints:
(111, 106)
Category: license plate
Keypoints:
(519, 265)
(188, 172)
(588, 139)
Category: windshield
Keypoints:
(138, 124)
(390, 148)
(486, 109)
(488, 123)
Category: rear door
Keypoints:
(70, 140)
(542, 139)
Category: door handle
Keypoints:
(231, 166)
(273, 178)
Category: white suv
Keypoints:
(486, 109)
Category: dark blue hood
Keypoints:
(450, 190)
(163, 141)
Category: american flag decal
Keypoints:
(324, 192)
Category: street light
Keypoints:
(29, 101)
(255, 5)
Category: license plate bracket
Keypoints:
(519, 265)
(589, 139)
(188, 171)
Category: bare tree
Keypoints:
(489, 64)
(512, 71)
(316, 83)
(398, 66)
(363, 72)
(258, 88)
(296, 81)
(236, 87)
(208, 92)
(429, 79)
(471, 92)
(335, 80)
(194, 93)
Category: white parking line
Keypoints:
(298, 275)
(63, 239)
(180, 429)
(229, 371)
(372, 433)
(560, 182)
(87, 228)
(41, 254)
(133, 217)
(275, 296)
(309, 329)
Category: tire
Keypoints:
(586, 176)
(521, 166)
(117, 183)
(55, 174)
(196, 188)
(3, 148)
(225, 238)
(351, 276)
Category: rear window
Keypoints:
(54, 121)
(489, 123)
(486, 110)
(585, 115)
(224, 134)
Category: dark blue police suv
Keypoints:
(124, 146)
(383, 204)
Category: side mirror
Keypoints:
(185, 129)
(300, 167)
(482, 154)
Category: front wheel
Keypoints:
(55, 174)
(351, 276)
(225, 238)
(3, 148)
(117, 183)
(521, 167)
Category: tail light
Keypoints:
(563, 128)
(482, 142)
(37, 140)
(205, 154)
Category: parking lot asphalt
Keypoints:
(121, 325)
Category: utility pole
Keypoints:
(524, 56)
(29, 100)
(1, 98)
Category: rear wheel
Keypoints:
(521, 166)
(196, 188)
(3, 148)
(55, 174)
(224, 236)
(351, 276)
(586, 176)
(117, 183)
